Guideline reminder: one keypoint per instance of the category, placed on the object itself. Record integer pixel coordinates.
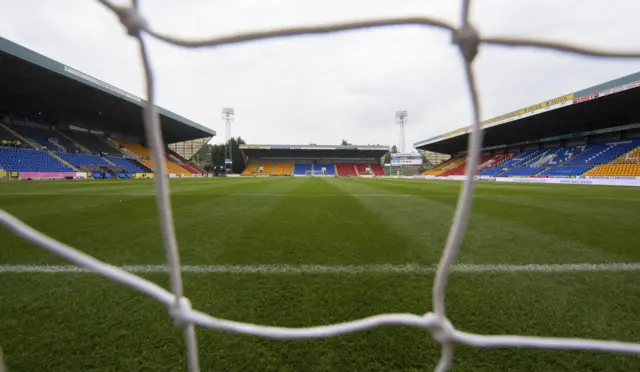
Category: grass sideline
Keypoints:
(78, 322)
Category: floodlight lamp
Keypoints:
(228, 111)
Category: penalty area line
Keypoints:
(337, 269)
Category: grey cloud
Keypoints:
(323, 89)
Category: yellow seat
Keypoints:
(282, 169)
(443, 167)
(619, 169)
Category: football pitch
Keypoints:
(542, 260)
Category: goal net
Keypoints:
(467, 40)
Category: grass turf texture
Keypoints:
(80, 322)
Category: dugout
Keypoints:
(607, 111)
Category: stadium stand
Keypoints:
(632, 157)
(80, 160)
(566, 171)
(251, 169)
(171, 167)
(130, 165)
(267, 167)
(492, 161)
(45, 137)
(603, 153)
(282, 169)
(26, 160)
(568, 161)
(192, 168)
(91, 142)
(615, 170)
(443, 167)
(457, 169)
(523, 171)
(558, 155)
(7, 138)
(177, 169)
(346, 169)
(488, 164)
(70, 146)
(362, 168)
(329, 169)
(377, 169)
(174, 154)
(135, 148)
(302, 169)
(491, 172)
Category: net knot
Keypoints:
(440, 327)
(180, 311)
(468, 40)
(131, 19)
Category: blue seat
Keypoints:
(331, 168)
(23, 160)
(524, 171)
(78, 160)
(491, 171)
(566, 170)
(126, 164)
(301, 169)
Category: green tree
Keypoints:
(218, 154)
(387, 156)
(345, 143)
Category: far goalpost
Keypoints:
(320, 173)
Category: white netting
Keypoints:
(435, 322)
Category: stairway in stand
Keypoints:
(23, 139)
(61, 160)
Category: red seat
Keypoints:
(346, 169)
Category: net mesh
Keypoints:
(467, 39)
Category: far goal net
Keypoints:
(318, 173)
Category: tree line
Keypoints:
(214, 155)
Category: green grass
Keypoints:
(80, 322)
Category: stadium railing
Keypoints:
(467, 40)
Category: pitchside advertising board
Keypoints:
(406, 159)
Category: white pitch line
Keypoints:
(337, 269)
(392, 195)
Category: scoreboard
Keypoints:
(406, 159)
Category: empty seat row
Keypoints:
(26, 160)
(615, 170)
(91, 142)
(130, 165)
(302, 169)
(347, 169)
(79, 160)
(566, 171)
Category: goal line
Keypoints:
(338, 269)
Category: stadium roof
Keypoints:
(31, 83)
(314, 151)
(602, 106)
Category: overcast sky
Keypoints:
(322, 89)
